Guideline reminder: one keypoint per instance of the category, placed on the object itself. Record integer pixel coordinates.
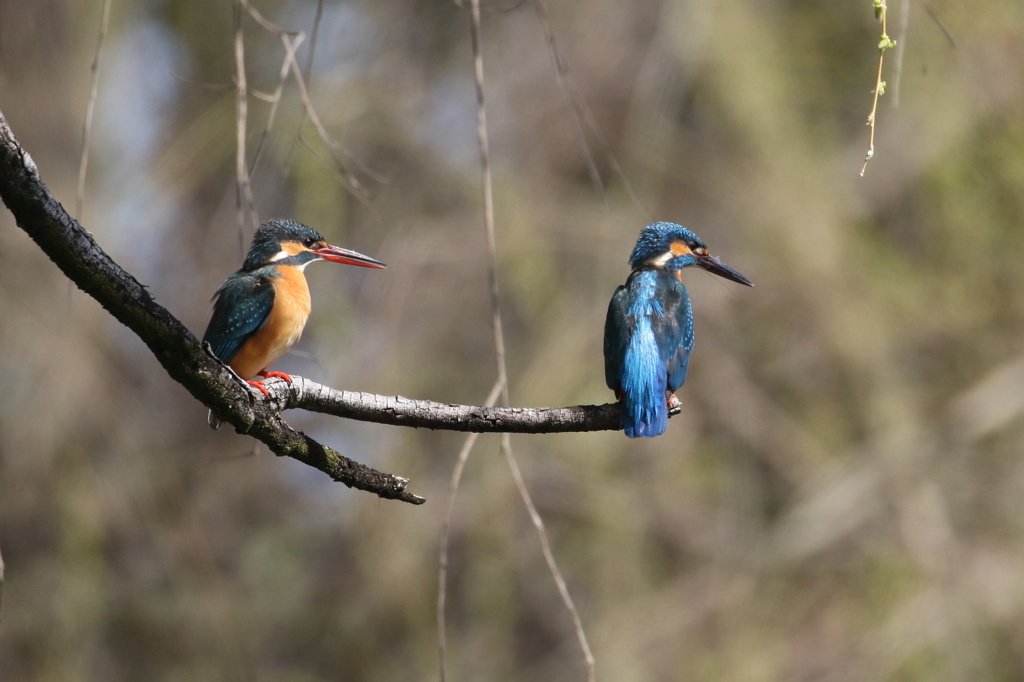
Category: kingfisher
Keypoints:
(260, 310)
(648, 333)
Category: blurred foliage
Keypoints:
(841, 499)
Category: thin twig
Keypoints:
(91, 107)
(267, 24)
(938, 22)
(308, 76)
(556, 573)
(488, 192)
(582, 120)
(275, 98)
(314, 34)
(883, 44)
(442, 563)
(901, 50)
(562, 78)
(290, 41)
(499, 338)
(244, 202)
(350, 180)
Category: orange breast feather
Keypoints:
(283, 327)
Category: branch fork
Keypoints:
(214, 384)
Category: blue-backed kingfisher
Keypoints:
(260, 311)
(648, 333)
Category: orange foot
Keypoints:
(268, 375)
(260, 386)
(275, 375)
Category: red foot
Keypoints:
(268, 375)
(673, 402)
(260, 386)
(275, 375)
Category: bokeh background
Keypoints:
(842, 497)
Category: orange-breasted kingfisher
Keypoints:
(648, 334)
(260, 311)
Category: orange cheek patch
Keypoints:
(679, 249)
(292, 248)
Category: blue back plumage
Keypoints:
(647, 344)
(241, 308)
(648, 334)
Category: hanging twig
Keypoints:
(90, 108)
(290, 41)
(442, 564)
(244, 202)
(501, 384)
(883, 44)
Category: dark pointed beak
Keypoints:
(337, 254)
(717, 267)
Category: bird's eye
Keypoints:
(308, 242)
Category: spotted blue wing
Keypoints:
(618, 329)
(241, 308)
(679, 357)
(648, 334)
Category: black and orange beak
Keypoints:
(717, 267)
(336, 254)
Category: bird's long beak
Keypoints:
(336, 254)
(717, 267)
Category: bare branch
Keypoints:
(81, 259)
(396, 410)
(211, 382)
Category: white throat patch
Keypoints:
(660, 261)
(282, 254)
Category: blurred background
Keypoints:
(842, 497)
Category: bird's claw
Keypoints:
(276, 375)
(259, 386)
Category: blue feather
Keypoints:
(648, 333)
(648, 339)
(241, 308)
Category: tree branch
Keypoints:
(79, 257)
(398, 411)
(211, 382)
